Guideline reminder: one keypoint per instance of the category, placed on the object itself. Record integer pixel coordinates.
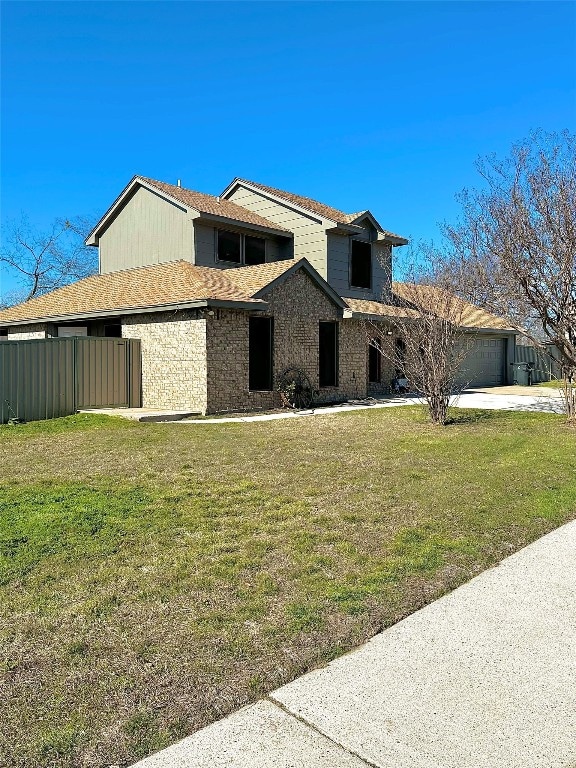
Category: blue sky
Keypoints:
(361, 105)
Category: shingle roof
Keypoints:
(469, 316)
(314, 206)
(213, 205)
(157, 285)
(326, 211)
(252, 279)
(365, 307)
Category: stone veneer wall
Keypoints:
(173, 358)
(24, 332)
(297, 305)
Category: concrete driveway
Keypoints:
(508, 399)
(484, 677)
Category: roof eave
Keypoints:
(388, 237)
(258, 306)
(344, 229)
(213, 218)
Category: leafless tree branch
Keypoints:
(514, 248)
(45, 261)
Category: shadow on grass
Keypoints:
(471, 416)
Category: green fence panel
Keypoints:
(47, 378)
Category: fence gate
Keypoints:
(46, 378)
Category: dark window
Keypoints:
(361, 265)
(328, 354)
(3, 334)
(113, 331)
(254, 250)
(374, 364)
(260, 346)
(228, 246)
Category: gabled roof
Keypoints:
(172, 285)
(259, 279)
(213, 207)
(313, 206)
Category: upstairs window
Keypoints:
(229, 246)
(361, 265)
(254, 250)
(328, 354)
(240, 249)
(3, 334)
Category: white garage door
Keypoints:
(485, 364)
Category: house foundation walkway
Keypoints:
(483, 677)
(536, 399)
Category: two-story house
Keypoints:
(228, 292)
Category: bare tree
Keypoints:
(44, 261)
(514, 249)
(424, 339)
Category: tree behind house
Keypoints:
(514, 248)
(40, 262)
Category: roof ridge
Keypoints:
(177, 187)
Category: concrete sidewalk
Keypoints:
(484, 677)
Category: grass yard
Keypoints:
(552, 384)
(154, 577)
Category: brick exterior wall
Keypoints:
(374, 328)
(192, 360)
(173, 358)
(24, 332)
(297, 306)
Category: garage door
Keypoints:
(485, 363)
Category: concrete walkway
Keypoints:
(498, 398)
(483, 399)
(484, 677)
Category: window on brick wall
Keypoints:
(361, 264)
(260, 353)
(374, 363)
(114, 330)
(328, 354)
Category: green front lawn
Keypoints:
(155, 576)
